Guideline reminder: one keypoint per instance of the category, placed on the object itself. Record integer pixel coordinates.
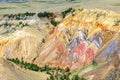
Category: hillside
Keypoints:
(9, 71)
(86, 41)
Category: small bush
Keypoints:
(53, 22)
(55, 73)
(70, 0)
(64, 13)
(19, 16)
(46, 14)
(94, 63)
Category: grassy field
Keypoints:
(77, 71)
(116, 4)
(56, 5)
(35, 6)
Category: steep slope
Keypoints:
(80, 38)
(83, 37)
(22, 44)
(76, 42)
(110, 71)
(9, 71)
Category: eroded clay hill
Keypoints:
(83, 36)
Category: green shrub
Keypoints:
(64, 13)
(19, 16)
(55, 73)
(94, 63)
(70, 0)
(46, 14)
(53, 22)
(22, 24)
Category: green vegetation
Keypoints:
(93, 66)
(46, 14)
(55, 73)
(20, 24)
(94, 63)
(20, 16)
(6, 24)
(116, 23)
(53, 22)
(64, 13)
(30, 66)
(6, 8)
(76, 77)
(100, 14)
(70, 0)
(28, 15)
(50, 16)
(116, 4)
(81, 9)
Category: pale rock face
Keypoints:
(21, 44)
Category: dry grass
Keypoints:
(56, 5)
(32, 6)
